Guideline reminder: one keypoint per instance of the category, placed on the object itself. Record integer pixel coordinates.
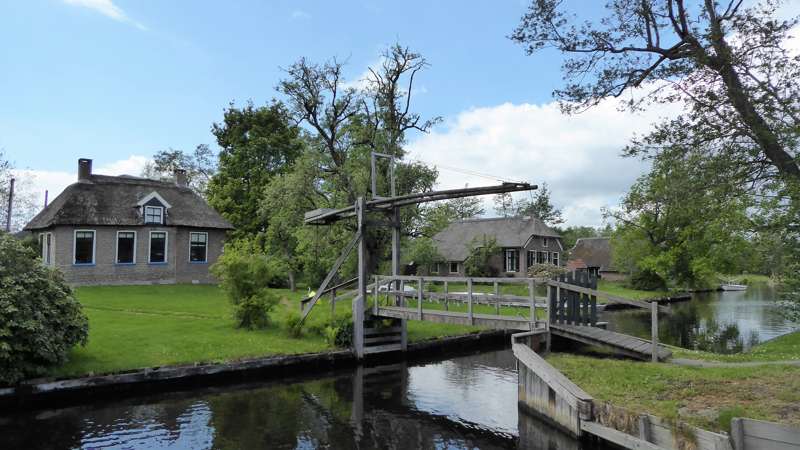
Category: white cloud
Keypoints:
(299, 14)
(577, 156)
(108, 9)
(54, 182)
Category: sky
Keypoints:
(118, 80)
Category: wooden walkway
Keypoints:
(460, 318)
(620, 343)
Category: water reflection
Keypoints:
(464, 402)
(721, 322)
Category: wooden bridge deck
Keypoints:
(622, 343)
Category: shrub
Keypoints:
(478, 263)
(648, 280)
(245, 276)
(294, 328)
(40, 319)
(545, 271)
(339, 333)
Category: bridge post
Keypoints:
(550, 315)
(654, 329)
(420, 286)
(532, 295)
(446, 306)
(358, 302)
(469, 302)
(396, 269)
(496, 298)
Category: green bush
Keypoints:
(478, 263)
(294, 328)
(648, 280)
(246, 276)
(40, 319)
(339, 332)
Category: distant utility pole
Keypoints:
(10, 203)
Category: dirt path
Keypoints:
(699, 363)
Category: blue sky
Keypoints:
(79, 83)
(118, 80)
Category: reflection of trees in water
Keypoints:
(690, 325)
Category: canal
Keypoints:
(720, 322)
(466, 402)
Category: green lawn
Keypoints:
(620, 290)
(132, 327)
(706, 397)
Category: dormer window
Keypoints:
(154, 214)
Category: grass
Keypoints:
(705, 397)
(132, 327)
(620, 290)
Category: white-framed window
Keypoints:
(544, 242)
(435, 267)
(554, 258)
(198, 247)
(158, 247)
(531, 259)
(83, 247)
(46, 245)
(541, 257)
(512, 260)
(126, 247)
(154, 214)
(453, 267)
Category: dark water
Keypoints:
(463, 403)
(721, 322)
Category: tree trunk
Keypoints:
(292, 286)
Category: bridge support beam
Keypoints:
(358, 302)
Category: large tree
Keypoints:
(257, 143)
(345, 125)
(200, 166)
(727, 64)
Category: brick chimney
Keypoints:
(180, 178)
(84, 169)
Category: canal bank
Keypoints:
(49, 392)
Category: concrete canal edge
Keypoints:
(52, 393)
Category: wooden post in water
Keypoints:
(654, 329)
(469, 301)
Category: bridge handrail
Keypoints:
(607, 296)
(439, 279)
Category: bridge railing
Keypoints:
(400, 290)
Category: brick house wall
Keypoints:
(105, 270)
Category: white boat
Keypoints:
(733, 287)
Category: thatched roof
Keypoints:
(594, 252)
(107, 200)
(453, 242)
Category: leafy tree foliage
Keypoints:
(344, 126)
(200, 166)
(540, 206)
(422, 251)
(504, 204)
(680, 223)
(24, 205)
(40, 319)
(257, 143)
(481, 252)
(245, 275)
(437, 217)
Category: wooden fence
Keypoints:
(573, 307)
(749, 434)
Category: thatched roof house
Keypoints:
(524, 241)
(595, 255)
(107, 229)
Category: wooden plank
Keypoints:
(477, 297)
(381, 339)
(576, 397)
(379, 331)
(383, 348)
(769, 436)
(618, 437)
